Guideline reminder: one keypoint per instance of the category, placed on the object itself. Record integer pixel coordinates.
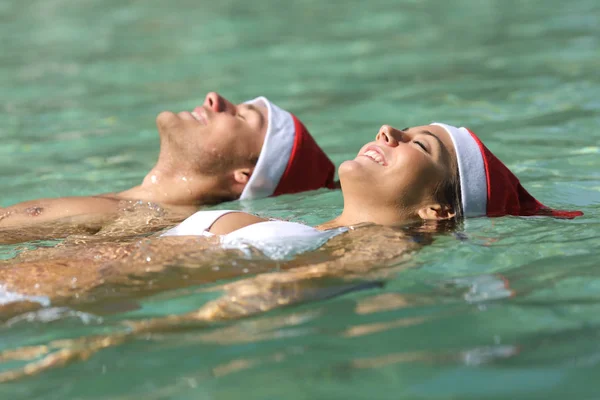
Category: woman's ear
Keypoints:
(436, 212)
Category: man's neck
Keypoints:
(180, 189)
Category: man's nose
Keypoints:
(218, 103)
(388, 136)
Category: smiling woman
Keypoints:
(432, 172)
(397, 177)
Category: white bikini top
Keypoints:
(275, 239)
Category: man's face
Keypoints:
(216, 137)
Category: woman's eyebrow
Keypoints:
(429, 133)
(426, 132)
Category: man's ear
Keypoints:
(242, 175)
(436, 212)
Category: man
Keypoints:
(218, 152)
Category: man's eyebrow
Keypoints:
(261, 116)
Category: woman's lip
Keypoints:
(377, 150)
(200, 115)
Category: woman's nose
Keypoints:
(388, 136)
(218, 103)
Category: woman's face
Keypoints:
(401, 170)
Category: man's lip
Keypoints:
(200, 114)
(376, 149)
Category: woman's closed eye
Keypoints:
(421, 144)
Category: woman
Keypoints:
(435, 172)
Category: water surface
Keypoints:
(510, 312)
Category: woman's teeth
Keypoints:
(375, 156)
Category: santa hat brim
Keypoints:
(290, 160)
(275, 153)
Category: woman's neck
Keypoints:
(352, 216)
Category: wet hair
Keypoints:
(429, 227)
(449, 192)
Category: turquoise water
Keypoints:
(82, 82)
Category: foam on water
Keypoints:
(7, 297)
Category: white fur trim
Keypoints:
(473, 181)
(275, 152)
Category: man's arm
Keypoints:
(55, 218)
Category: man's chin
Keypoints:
(167, 121)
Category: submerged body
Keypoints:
(111, 277)
(78, 273)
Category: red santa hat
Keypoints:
(487, 185)
(290, 160)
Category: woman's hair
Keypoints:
(449, 192)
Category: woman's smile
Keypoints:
(376, 154)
